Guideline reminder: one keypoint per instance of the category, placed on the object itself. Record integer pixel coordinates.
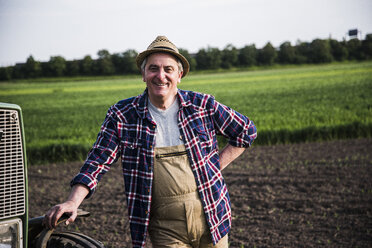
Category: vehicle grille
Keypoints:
(12, 179)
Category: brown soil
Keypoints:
(301, 195)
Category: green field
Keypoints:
(297, 104)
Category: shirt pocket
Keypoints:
(130, 152)
(205, 138)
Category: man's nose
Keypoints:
(161, 74)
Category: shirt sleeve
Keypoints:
(237, 128)
(102, 155)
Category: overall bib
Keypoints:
(177, 215)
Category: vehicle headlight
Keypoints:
(11, 234)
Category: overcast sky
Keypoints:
(75, 28)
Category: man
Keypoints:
(166, 139)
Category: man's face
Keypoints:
(161, 76)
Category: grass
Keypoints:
(295, 104)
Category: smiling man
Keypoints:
(161, 76)
(166, 139)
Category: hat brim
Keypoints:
(141, 57)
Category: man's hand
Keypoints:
(76, 197)
(52, 216)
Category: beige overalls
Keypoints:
(177, 216)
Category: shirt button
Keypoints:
(146, 212)
(153, 126)
(150, 146)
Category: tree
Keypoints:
(201, 58)
(191, 59)
(118, 63)
(6, 73)
(267, 55)
(247, 55)
(45, 69)
(367, 47)
(104, 63)
(209, 58)
(18, 71)
(129, 61)
(303, 52)
(57, 66)
(32, 68)
(287, 53)
(214, 57)
(320, 51)
(338, 50)
(72, 68)
(86, 65)
(354, 49)
(229, 57)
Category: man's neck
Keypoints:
(162, 103)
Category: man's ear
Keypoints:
(143, 76)
(180, 76)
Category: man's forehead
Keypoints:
(157, 58)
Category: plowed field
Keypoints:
(299, 195)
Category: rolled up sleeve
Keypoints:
(237, 128)
(102, 155)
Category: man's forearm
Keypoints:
(78, 194)
(228, 154)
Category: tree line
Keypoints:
(210, 58)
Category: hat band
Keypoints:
(163, 47)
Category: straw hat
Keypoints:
(162, 44)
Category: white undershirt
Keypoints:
(167, 132)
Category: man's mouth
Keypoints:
(159, 84)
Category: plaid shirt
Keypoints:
(129, 131)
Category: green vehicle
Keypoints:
(16, 229)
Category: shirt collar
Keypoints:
(183, 98)
(140, 104)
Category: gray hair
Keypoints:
(180, 66)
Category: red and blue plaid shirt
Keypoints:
(129, 131)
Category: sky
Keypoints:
(76, 28)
